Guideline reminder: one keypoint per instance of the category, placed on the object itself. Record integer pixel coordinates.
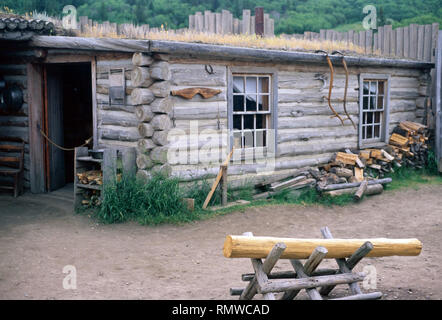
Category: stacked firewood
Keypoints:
(91, 198)
(92, 177)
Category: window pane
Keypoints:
(261, 140)
(377, 117)
(248, 139)
(366, 83)
(381, 86)
(377, 131)
(365, 103)
(263, 102)
(369, 118)
(261, 121)
(237, 140)
(238, 103)
(369, 132)
(237, 122)
(249, 122)
(251, 84)
(263, 85)
(238, 84)
(251, 103)
(380, 102)
(373, 89)
(364, 130)
(372, 103)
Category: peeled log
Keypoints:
(161, 105)
(259, 247)
(145, 145)
(161, 122)
(159, 154)
(160, 71)
(371, 190)
(141, 59)
(144, 162)
(140, 77)
(141, 96)
(160, 138)
(160, 89)
(145, 130)
(144, 113)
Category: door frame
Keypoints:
(36, 103)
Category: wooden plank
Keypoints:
(434, 41)
(387, 29)
(413, 41)
(427, 43)
(217, 180)
(399, 42)
(35, 103)
(438, 101)
(406, 42)
(420, 42)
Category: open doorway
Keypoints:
(67, 118)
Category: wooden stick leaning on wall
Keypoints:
(218, 179)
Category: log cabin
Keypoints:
(183, 106)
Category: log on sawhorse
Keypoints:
(318, 283)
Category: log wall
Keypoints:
(15, 124)
(306, 136)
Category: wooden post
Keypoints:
(224, 184)
(406, 42)
(437, 101)
(192, 22)
(109, 165)
(218, 23)
(245, 22)
(427, 43)
(259, 21)
(225, 21)
(420, 42)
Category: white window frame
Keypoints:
(384, 123)
(253, 152)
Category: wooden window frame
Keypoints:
(384, 124)
(272, 73)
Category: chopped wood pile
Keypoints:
(91, 198)
(359, 172)
(92, 177)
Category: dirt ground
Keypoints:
(39, 235)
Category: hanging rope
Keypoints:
(60, 147)
(344, 63)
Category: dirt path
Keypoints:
(39, 235)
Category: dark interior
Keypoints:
(76, 103)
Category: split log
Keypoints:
(141, 59)
(144, 162)
(145, 130)
(144, 113)
(161, 122)
(160, 89)
(145, 145)
(342, 172)
(160, 71)
(346, 158)
(332, 187)
(160, 138)
(259, 247)
(141, 96)
(361, 190)
(161, 105)
(358, 161)
(398, 140)
(140, 77)
(371, 190)
(387, 155)
(359, 174)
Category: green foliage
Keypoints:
(291, 16)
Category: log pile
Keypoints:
(92, 177)
(91, 198)
(360, 172)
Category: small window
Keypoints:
(252, 110)
(373, 124)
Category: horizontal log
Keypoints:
(370, 190)
(141, 96)
(363, 296)
(119, 133)
(332, 187)
(162, 105)
(289, 274)
(140, 77)
(259, 247)
(144, 113)
(160, 89)
(195, 75)
(310, 282)
(160, 70)
(142, 60)
(145, 130)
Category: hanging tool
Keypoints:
(344, 63)
(331, 85)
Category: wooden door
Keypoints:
(54, 126)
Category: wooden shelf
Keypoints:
(90, 186)
(90, 159)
